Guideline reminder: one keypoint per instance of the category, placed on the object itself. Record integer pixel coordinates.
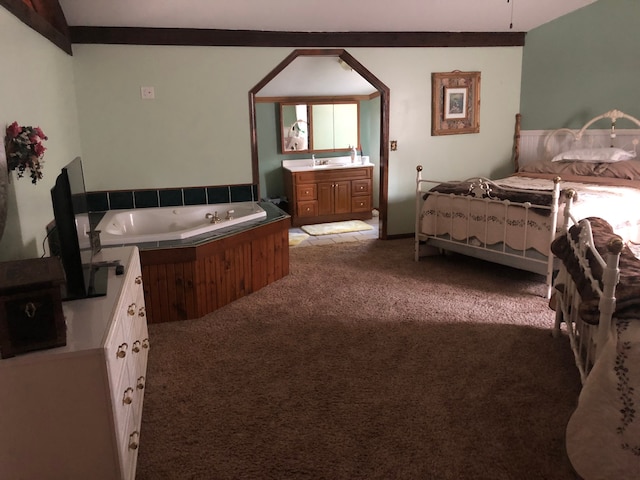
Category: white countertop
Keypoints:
(337, 163)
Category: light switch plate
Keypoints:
(147, 93)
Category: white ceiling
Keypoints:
(316, 76)
(319, 76)
(322, 15)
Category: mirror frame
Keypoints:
(310, 102)
(384, 120)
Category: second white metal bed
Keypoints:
(597, 301)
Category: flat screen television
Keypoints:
(71, 214)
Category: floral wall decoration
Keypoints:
(25, 151)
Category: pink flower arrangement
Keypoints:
(25, 150)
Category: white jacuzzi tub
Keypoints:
(141, 225)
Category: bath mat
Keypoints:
(297, 238)
(336, 227)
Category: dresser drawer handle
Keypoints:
(131, 311)
(136, 346)
(140, 384)
(142, 312)
(145, 343)
(122, 351)
(138, 280)
(133, 440)
(127, 398)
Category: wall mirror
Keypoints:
(319, 126)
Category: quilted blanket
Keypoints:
(535, 197)
(603, 433)
(628, 289)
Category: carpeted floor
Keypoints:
(363, 364)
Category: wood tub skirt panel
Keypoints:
(189, 282)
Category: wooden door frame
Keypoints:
(384, 120)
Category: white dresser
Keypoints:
(74, 412)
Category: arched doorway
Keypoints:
(384, 119)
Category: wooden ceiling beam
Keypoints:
(254, 38)
(45, 17)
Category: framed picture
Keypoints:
(455, 102)
(455, 106)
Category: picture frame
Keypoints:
(455, 106)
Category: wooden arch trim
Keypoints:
(384, 119)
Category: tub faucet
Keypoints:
(213, 217)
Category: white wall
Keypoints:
(36, 88)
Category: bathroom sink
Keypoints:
(331, 165)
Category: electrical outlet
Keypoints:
(147, 93)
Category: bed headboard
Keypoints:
(534, 145)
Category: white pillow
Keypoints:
(595, 155)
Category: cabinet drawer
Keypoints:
(332, 174)
(361, 204)
(307, 209)
(361, 187)
(306, 192)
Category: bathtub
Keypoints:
(141, 225)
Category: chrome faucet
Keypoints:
(213, 217)
(313, 160)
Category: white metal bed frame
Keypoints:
(430, 244)
(586, 339)
(523, 259)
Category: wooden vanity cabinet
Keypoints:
(334, 197)
(331, 195)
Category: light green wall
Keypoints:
(407, 72)
(582, 65)
(370, 136)
(36, 88)
(196, 131)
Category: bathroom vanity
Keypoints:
(330, 192)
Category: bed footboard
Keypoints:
(582, 267)
(482, 219)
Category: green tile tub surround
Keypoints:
(170, 197)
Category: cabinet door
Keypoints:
(342, 197)
(325, 198)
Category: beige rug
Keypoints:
(297, 238)
(336, 227)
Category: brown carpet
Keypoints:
(363, 364)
